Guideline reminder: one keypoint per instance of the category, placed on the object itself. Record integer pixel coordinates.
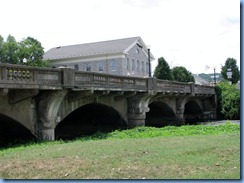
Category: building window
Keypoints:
(142, 67)
(138, 66)
(133, 65)
(100, 67)
(76, 67)
(113, 65)
(87, 67)
(128, 64)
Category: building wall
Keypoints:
(135, 63)
(136, 55)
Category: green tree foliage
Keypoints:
(26, 52)
(228, 101)
(163, 71)
(31, 49)
(230, 63)
(181, 74)
(10, 51)
(1, 48)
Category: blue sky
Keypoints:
(189, 33)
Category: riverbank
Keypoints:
(203, 156)
(220, 122)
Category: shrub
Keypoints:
(228, 101)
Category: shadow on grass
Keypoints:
(27, 142)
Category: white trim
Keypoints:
(144, 48)
(129, 48)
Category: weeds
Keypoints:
(169, 131)
(144, 132)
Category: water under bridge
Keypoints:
(55, 103)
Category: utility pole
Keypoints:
(214, 77)
(149, 62)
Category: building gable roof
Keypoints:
(118, 46)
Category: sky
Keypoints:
(189, 33)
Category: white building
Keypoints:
(128, 56)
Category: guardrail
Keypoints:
(25, 77)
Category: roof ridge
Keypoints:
(98, 42)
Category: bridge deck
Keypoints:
(24, 77)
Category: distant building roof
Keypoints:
(93, 49)
(199, 80)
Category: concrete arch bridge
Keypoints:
(56, 103)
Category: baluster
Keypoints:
(15, 74)
(28, 75)
(19, 74)
(23, 75)
(10, 74)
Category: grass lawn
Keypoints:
(198, 156)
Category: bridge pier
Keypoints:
(135, 120)
(180, 120)
(46, 134)
(47, 113)
(180, 109)
(137, 109)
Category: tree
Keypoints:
(162, 70)
(181, 74)
(10, 51)
(1, 48)
(230, 63)
(29, 50)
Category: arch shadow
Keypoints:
(193, 112)
(160, 115)
(88, 120)
(12, 132)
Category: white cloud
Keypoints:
(191, 33)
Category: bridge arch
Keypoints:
(160, 114)
(89, 119)
(12, 131)
(193, 111)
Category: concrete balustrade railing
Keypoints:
(114, 82)
(24, 77)
(173, 87)
(15, 73)
(202, 89)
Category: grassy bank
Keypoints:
(210, 154)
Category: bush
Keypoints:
(228, 101)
